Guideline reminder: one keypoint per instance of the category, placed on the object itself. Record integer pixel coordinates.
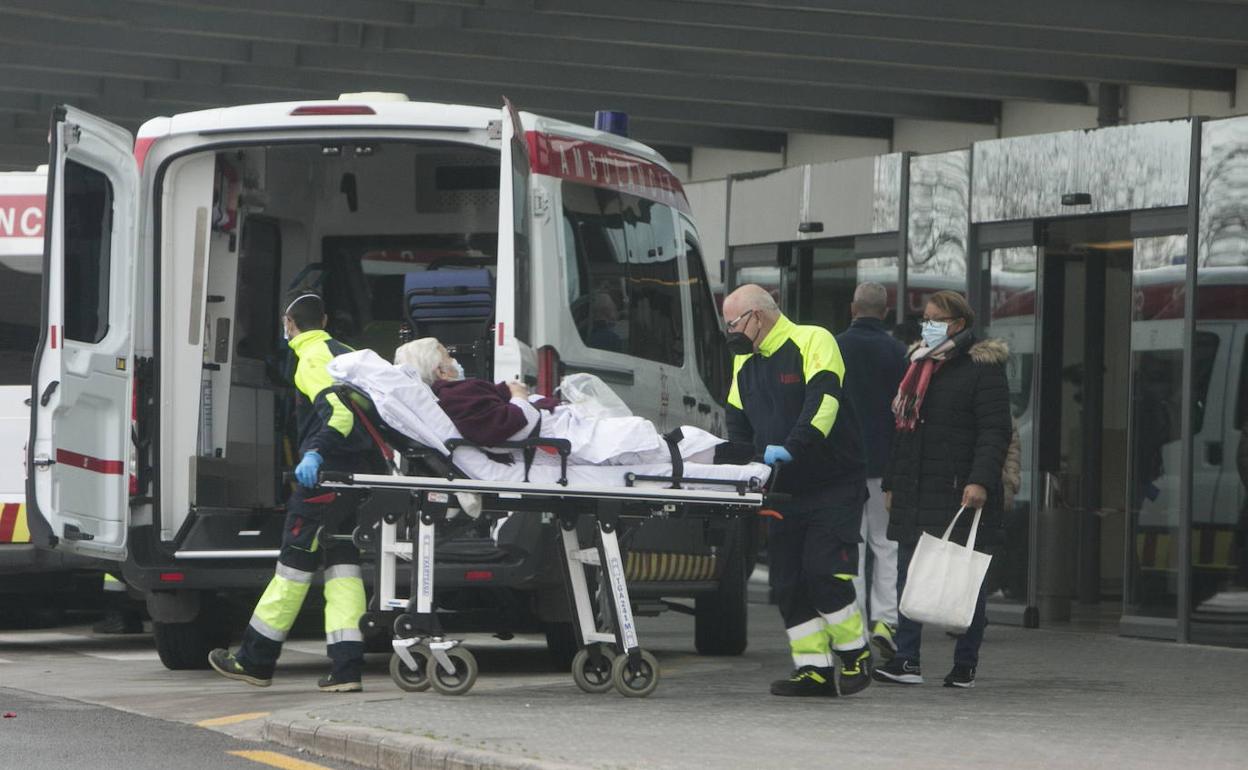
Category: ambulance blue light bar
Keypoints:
(612, 122)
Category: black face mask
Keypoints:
(740, 344)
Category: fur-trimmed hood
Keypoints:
(990, 351)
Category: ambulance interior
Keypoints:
(399, 237)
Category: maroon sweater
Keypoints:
(482, 412)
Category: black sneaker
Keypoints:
(899, 671)
(807, 681)
(961, 676)
(339, 682)
(228, 666)
(856, 674)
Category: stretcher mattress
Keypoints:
(409, 406)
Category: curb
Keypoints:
(388, 750)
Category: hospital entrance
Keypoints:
(1092, 309)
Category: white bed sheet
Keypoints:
(409, 406)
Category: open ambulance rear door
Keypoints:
(77, 486)
(511, 327)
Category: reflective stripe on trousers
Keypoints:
(278, 607)
(344, 603)
(808, 643)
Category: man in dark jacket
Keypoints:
(786, 399)
(874, 364)
(329, 439)
(953, 428)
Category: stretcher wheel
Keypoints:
(364, 538)
(462, 680)
(412, 680)
(591, 668)
(635, 678)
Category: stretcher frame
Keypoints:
(608, 657)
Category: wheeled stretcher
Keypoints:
(403, 510)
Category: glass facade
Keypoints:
(1129, 349)
(1219, 433)
(1156, 430)
(939, 226)
(1012, 275)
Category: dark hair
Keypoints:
(953, 305)
(306, 309)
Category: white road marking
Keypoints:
(122, 655)
(40, 637)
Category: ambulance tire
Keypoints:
(721, 618)
(185, 646)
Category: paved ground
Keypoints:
(1045, 699)
(46, 733)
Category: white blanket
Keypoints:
(409, 406)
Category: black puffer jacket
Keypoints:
(962, 437)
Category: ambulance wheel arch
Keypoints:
(77, 485)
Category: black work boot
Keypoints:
(230, 667)
(855, 671)
(341, 681)
(807, 681)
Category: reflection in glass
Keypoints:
(886, 202)
(825, 296)
(1012, 318)
(1140, 166)
(759, 264)
(1156, 423)
(939, 224)
(1219, 598)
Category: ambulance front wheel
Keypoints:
(407, 678)
(635, 678)
(461, 680)
(591, 668)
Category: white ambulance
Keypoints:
(161, 415)
(33, 583)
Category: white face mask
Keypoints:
(458, 369)
(935, 332)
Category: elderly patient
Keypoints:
(487, 414)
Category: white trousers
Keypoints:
(883, 597)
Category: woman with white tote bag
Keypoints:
(953, 430)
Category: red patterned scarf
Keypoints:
(913, 388)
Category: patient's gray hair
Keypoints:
(422, 356)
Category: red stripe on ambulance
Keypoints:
(89, 463)
(598, 165)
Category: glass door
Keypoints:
(1010, 281)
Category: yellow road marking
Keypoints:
(273, 759)
(232, 719)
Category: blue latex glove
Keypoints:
(306, 471)
(775, 453)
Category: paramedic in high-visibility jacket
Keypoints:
(329, 439)
(787, 400)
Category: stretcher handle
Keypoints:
(528, 447)
(773, 496)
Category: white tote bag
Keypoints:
(943, 582)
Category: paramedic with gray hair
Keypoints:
(787, 400)
(875, 362)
